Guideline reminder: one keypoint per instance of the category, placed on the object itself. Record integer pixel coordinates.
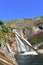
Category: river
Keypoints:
(29, 59)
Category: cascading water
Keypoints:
(38, 45)
(20, 45)
(24, 45)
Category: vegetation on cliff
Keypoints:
(6, 27)
(25, 22)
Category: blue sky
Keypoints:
(17, 9)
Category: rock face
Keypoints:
(6, 61)
(40, 51)
(35, 30)
(12, 41)
(31, 32)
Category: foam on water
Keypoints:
(30, 53)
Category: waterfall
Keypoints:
(24, 45)
(36, 46)
(20, 45)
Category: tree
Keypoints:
(1, 22)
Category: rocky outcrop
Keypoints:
(31, 33)
(5, 60)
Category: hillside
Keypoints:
(25, 22)
(28, 25)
